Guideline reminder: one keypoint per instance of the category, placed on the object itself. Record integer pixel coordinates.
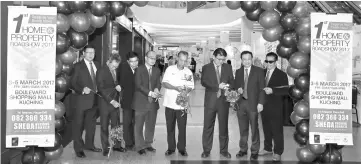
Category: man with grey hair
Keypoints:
(176, 77)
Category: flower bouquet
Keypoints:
(183, 99)
(115, 135)
(232, 96)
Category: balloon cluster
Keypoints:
(289, 23)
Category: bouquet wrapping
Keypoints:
(115, 135)
(232, 97)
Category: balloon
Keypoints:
(302, 109)
(299, 60)
(64, 75)
(304, 44)
(285, 52)
(303, 82)
(59, 96)
(95, 21)
(295, 119)
(294, 73)
(67, 57)
(90, 30)
(254, 15)
(295, 93)
(272, 34)
(302, 127)
(233, 5)
(67, 68)
(60, 124)
(33, 156)
(57, 143)
(61, 84)
(62, 43)
(99, 8)
(249, 6)
(80, 22)
(305, 155)
(289, 39)
(288, 21)
(62, 23)
(337, 147)
(128, 3)
(306, 97)
(286, 6)
(331, 156)
(58, 66)
(304, 27)
(301, 9)
(268, 5)
(62, 6)
(316, 148)
(269, 19)
(141, 3)
(117, 8)
(78, 39)
(78, 6)
(54, 155)
(300, 140)
(59, 109)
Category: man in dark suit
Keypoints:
(216, 77)
(126, 81)
(145, 103)
(250, 84)
(108, 103)
(276, 83)
(84, 84)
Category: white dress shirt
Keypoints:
(88, 66)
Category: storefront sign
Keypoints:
(125, 22)
(31, 76)
(331, 79)
(162, 48)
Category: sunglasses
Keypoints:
(266, 61)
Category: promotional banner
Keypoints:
(331, 79)
(31, 59)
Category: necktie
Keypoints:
(92, 74)
(218, 79)
(267, 77)
(113, 74)
(150, 99)
(245, 95)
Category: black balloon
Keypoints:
(306, 97)
(61, 84)
(78, 6)
(288, 21)
(141, 3)
(331, 156)
(289, 39)
(62, 6)
(272, 34)
(62, 43)
(304, 27)
(90, 30)
(337, 147)
(58, 66)
(285, 52)
(67, 68)
(305, 155)
(302, 109)
(117, 8)
(286, 6)
(249, 6)
(33, 156)
(302, 127)
(269, 19)
(99, 8)
(304, 44)
(299, 60)
(60, 124)
(254, 15)
(295, 93)
(294, 72)
(303, 82)
(233, 5)
(78, 39)
(57, 143)
(300, 140)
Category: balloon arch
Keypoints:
(285, 21)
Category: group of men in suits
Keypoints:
(261, 91)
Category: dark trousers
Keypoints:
(107, 114)
(171, 116)
(208, 126)
(247, 117)
(84, 120)
(149, 118)
(128, 127)
(272, 121)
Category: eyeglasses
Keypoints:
(89, 52)
(266, 61)
(221, 59)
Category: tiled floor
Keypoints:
(194, 144)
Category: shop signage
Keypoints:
(125, 22)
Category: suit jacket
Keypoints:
(140, 100)
(80, 79)
(106, 86)
(126, 81)
(256, 84)
(210, 82)
(274, 101)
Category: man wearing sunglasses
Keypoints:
(276, 83)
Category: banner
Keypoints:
(31, 59)
(331, 79)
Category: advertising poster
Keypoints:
(331, 79)
(31, 76)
